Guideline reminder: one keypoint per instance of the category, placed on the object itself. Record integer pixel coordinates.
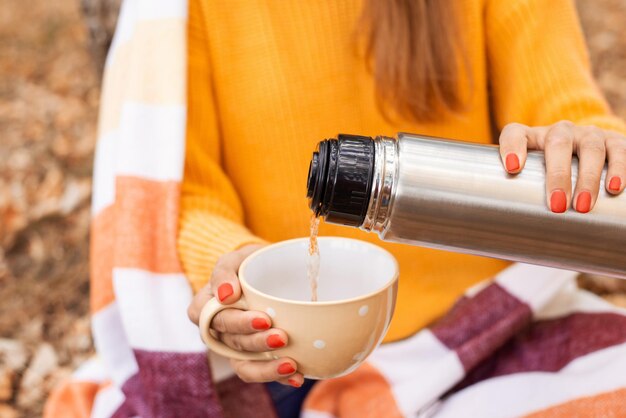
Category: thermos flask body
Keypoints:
(456, 196)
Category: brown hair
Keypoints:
(416, 55)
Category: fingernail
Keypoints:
(615, 184)
(583, 202)
(512, 162)
(286, 368)
(558, 201)
(260, 323)
(224, 291)
(274, 341)
(294, 383)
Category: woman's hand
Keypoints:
(559, 142)
(244, 330)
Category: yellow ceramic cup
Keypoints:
(329, 338)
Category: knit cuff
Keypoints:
(203, 238)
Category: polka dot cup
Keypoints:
(328, 338)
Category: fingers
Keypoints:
(513, 147)
(296, 380)
(616, 152)
(271, 339)
(558, 148)
(591, 152)
(559, 142)
(235, 321)
(282, 369)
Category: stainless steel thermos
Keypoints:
(456, 196)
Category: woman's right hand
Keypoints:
(244, 330)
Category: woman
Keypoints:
(268, 80)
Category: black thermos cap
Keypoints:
(340, 179)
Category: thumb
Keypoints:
(224, 281)
(223, 284)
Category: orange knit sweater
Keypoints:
(268, 79)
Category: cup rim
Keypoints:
(270, 247)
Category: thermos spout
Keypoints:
(340, 179)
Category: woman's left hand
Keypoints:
(560, 142)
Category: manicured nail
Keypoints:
(583, 203)
(558, 201)
(294, 383)
(286, 368)
(274, 341)
(512, 162)
(224, 291)
(615, 184)
(260, 323)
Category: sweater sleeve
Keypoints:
(539, 66)
(211, 217)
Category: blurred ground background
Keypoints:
(49, 92)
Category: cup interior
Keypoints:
(348, 269)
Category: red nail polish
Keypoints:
(512, 162)
(615, 184)
(294, 383)
(583, 203)
(260, 324)
(286, 368)
(224, 291)
(558, 201)
(274, 341)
